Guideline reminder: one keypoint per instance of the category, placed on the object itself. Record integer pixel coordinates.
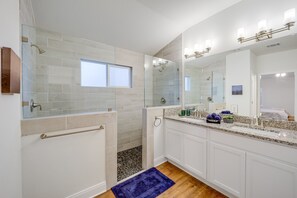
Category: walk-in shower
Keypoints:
(53, 69)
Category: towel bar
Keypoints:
(45, 136)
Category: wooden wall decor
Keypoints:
(10, 71)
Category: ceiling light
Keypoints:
(265, 33)
(283, 74)
(277, 75)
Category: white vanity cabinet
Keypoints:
(226, 168)
(186, 146)
(270, 178)
(236, 165)
(174, 145)
(195, 155)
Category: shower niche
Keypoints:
(161, 82)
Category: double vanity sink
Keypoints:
(236, 159)
(271, 134)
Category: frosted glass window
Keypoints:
(187, 83)
(120, 76)
(93, 74)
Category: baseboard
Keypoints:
(91, 191)
(159, 160)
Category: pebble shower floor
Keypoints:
(129, 162)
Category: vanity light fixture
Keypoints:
(265, 33)
(198, 50)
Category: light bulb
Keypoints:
(277, 75)
(208, 44)
(283, 74)
(290, 16)
(154, 62)
(188, 51)
(198, 48)
(240, 33)
(262, 25)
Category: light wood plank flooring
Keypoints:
(185, 186)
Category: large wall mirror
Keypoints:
(254, 80)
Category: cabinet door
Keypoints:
(195, 155)
(174, 145)
(270, 178)
(227, 168)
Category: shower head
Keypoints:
(40, 51)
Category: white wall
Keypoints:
(10, 146)
(238, 72)
(159, 141)
(222, 27)
(285, 61)
(64, 166)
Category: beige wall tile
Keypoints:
(43, 125)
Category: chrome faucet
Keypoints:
(255, 122)
(34, 105)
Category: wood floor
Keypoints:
(185, 186)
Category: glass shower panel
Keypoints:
(161, 82)
(52, 75)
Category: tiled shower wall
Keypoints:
(56, 77)
(166, 85)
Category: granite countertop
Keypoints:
(286, 137)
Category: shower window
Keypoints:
(120, 76)
(93, 74)
(98, 74)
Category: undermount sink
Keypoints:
(256, 130)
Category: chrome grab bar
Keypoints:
(45, 136)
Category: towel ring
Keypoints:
(157, 121)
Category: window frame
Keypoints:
(119, 66)
(108, 65)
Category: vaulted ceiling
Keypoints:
(140, 25)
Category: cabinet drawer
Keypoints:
(186, 128)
